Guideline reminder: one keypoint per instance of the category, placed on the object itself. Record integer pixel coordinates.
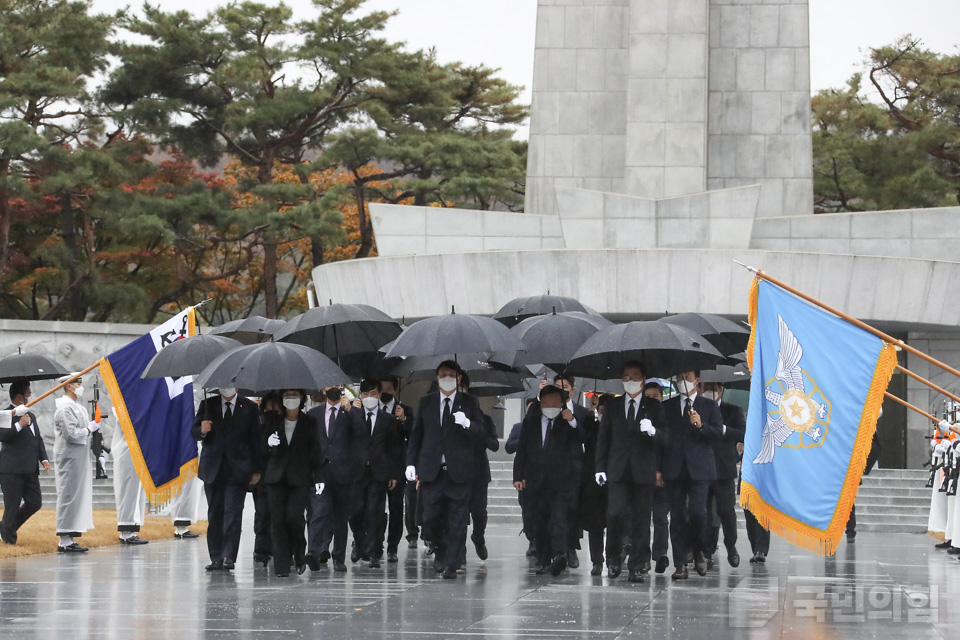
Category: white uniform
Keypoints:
(130, 496)
(189, 506)
(937, 522)
(74, 472)
(951, 500)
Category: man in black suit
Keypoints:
(442, 454)
(542, 471)
(329, 512)
(689, 467)
(21, 455)
(230, 460)
(402, 499)
(377, 448)
(723, 490)
(510, 446)
(661, 502)
(481, 483)
(629, 450)
(586, 420)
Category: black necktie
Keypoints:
(632, 413)
(370, 422)
(446, 412)
(547, 436)
(686, 412)
(333, 411)
(228, 412)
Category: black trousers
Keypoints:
(852, 521)
(758, 536)
(328, 515)
(596, 546)
(395, 499)
(636, 498)
(369, 521)
(17, 488)
(549, 516)
(478, 511)
(224, 516)
(526, 515)
(446, 514)
(661, 522)
(262, 543)
(574, 532)
(411, 511)
(723, 498)
(287, 506)
(688, 516)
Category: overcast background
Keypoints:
(500, 33)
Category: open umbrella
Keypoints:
(664, 349)
(252, 330)
(272, 365)
(30, 366)
(737, 377)
(727, 336)
(477, 365)
(454, 334)
(189, 356)
(339, 330)
(552, 339)
(520, 309)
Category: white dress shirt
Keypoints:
(372, 415)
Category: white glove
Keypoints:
(601, 478)
(461, 419)
(319, 487)
(274, 441)
(411, 473)
(647, 427)
(21, 410)
(93, 426)
(944, 425)
(940, 448)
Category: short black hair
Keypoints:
(449, 364)
(653, 385)
(562, 376)
(550, 390)
(271, 397)
(634, 363)
(394, 380)
(19, 388)
(603, 399)
(369, 384)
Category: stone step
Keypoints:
(913, 493)
(890, 528)
(882, 501)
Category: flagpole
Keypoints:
(64, 383)
(863, 325)
(930, 416)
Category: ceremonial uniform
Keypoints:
(937, 520)
(130, 496)
(74, 473)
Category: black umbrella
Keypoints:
(520, 309)
(30, 366)
(477, 366)
(726, 335)
(189, 356)
(252, 330)
(339, 330)
(454, 334)
(664, 349)
(531, 386)
(272, 365)
(737, 377)
(552, 339)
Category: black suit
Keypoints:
(231, 454)
(544, 466)
(593, 497)
(330, 512)
(631, 459)
(688, 469)
(723, 492)
(378, 462)
(20, 456)
(478, 493)
(402, 500)
(292, 470)
(445, 458)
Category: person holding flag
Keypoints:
(72, 427)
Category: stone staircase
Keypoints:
(103, 497)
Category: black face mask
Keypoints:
(333, 394)
(386, 398)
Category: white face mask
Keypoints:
(291, 403)
(447, 383)
(370, 403)
(633, 387)
(711, 395)
(228, 392)
(685, 387)
(550, 413)
(78, 391)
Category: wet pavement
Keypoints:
(883, 586)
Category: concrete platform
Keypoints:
(878, 587)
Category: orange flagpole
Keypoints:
(64, 383)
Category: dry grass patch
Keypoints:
(38, 535)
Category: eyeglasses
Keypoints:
(636, 378)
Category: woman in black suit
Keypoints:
(294, 469)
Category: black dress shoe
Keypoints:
(355, 554)
(133, 540)
(597, 569)
(761, 557)
(558, 565)
(954, 551)
(680, 574)
(852, 537)
(428, 552)
(186, 535)
(531, 550)
(449, 574)
(312, 561)
(573, 561)
(283, 574)
(946, 544)
(540, 569)
(392, 557)
(374, 563)
(438, 565)
(753, 559)
(613, 571)
(481, 550)
(215, 566)
(709, 557)
(635, 576)
(699, 563)
(733, 557)
(662, 563)
(261, 558)
(72, 548)
(339, 567)
(301, 568)
(7, 536)
(324, 556)
(411, 544)
(228, 564)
